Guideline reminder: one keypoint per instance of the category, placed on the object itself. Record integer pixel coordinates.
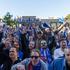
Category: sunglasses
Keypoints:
(36, 57)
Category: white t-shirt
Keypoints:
(58, 53)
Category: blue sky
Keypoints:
(39, 8)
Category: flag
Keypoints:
(61, 20)
(45, 25)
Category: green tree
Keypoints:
(67, 17)
(8, 19)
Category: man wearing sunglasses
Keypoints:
(34, 62)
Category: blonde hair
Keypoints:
(36, 50)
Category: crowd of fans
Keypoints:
(32, 47)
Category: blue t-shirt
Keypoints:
(68, 44)
(37, 67)
(20, 55)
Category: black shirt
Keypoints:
(67, 66)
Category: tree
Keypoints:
(8, 19)
(67, 17)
